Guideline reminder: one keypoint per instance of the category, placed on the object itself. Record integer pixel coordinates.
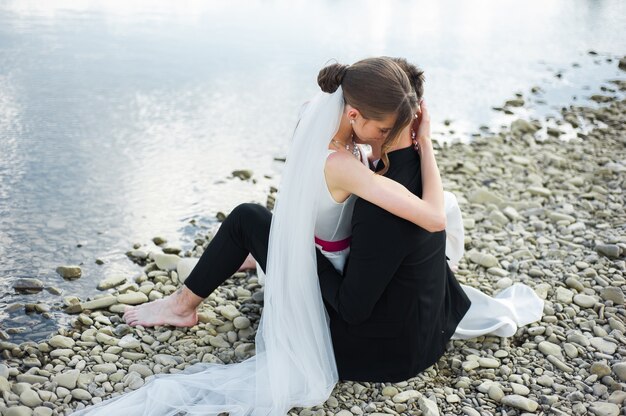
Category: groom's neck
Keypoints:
(403, 141)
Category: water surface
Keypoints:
(122, 120)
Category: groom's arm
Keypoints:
(379, 244)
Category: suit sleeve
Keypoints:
(378, 246)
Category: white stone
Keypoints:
(484, 196)
(483, 259)
(68, 379)
(108, 368)
(166, 261)
(129, 342)
(132, 298)
(99, 303)
(620, 370)
(165, 360)
(511, 213)
(404, 396)
(230, 312)
(241, 322)
(548, 348)
(520, 402)
(42, 411)
(604, 409)
(81, 394)
(111, 282)
(428, 407)
(520, 389)
(603, 346)
(59, 341)
(584, 301)
(564, 295)
(4, 384)
(69, 272)
(30, 398)
(488, 362)
(106, 339)
(614, 294)
(539, 190)
(495, 392)
(18, 411)
(218, 342)
(504, 283)
(185, 266)
(141, 369)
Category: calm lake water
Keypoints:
(123, 120)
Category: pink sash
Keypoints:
(333, 246)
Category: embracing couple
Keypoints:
(358, 285)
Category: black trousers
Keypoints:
(245, 230)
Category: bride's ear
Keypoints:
(352, 112)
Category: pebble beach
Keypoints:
(539, 209)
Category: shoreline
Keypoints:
(540, 211)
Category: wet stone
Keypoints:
(166, 261)
(103, 302)
(111, 282)
(69, 272)
(27, 285)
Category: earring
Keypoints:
(351, 121)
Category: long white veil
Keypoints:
(294, 363)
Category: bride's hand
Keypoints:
(421, 125)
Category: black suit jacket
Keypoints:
(397, 303)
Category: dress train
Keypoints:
(500, 315)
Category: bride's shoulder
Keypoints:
(342, 163)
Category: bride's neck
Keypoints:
(344, 132)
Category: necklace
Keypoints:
(355, 149)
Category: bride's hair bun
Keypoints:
(331, 76)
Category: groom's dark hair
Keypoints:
(416, 76)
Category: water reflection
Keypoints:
(123, 120)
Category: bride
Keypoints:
(294, 362)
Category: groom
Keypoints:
(397, 303)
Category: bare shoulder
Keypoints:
(342, 162)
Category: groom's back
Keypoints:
(404, 328)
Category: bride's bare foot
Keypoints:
(179, 309)
(248, 263)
